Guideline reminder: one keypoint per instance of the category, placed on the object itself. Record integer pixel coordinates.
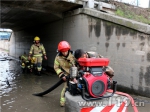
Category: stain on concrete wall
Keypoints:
(118, 30)
(121, 30)
(141, 75)
(97, 28)
(123, 44)
(94, 25)
(106, 45)
(142, 36)
(90, 26)
(108, 29)
(133, 33)
(118, 44)
(148, 56)
(147, 76)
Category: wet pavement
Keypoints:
(17, 89)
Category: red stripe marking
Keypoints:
(121, 107)
(125, 94)
(86, 109)
(107, 108)
(126, 110)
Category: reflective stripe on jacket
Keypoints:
(24, 58)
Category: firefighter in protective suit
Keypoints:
(24, 62)
(37, 51)
(62, 63)
(32, 61)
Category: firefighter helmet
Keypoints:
(23, 64)
(36, 38)
(63, 46)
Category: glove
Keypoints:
(45, 57)
(63, 77)
(29, 58)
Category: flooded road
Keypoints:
(17, 89)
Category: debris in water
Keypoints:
(7, 82)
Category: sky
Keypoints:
(141, 3)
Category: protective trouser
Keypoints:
(62, 96)
(25, 64)
(28, 65)
(38, 62)
(31, 66)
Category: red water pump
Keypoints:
(92, 79)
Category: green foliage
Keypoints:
(119, 12)
(142, 19)
(131, 15)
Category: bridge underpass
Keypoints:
(126, 43)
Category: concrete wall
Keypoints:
(51, 35)
(20, 42)
(127, 49)
(4, 44)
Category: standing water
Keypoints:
(17, 89)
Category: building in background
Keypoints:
(5, 34)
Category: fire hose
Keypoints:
(50, 89)
(124, 94)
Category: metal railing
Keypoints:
(99, 5)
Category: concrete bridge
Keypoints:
(80, 22)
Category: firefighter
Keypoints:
(32, 61)
(37, 50)
(62, 63)
(79, 53)
(24, 62)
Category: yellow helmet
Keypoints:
(36, 38)
(23, 64)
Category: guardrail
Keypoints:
(94, 4)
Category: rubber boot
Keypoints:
(38, 73)
(62, 104)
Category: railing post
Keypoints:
(99, 6)
(88, 3)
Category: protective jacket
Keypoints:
(62, 64)
(37, 50)
(24, 58)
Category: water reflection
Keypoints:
(5, 77)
